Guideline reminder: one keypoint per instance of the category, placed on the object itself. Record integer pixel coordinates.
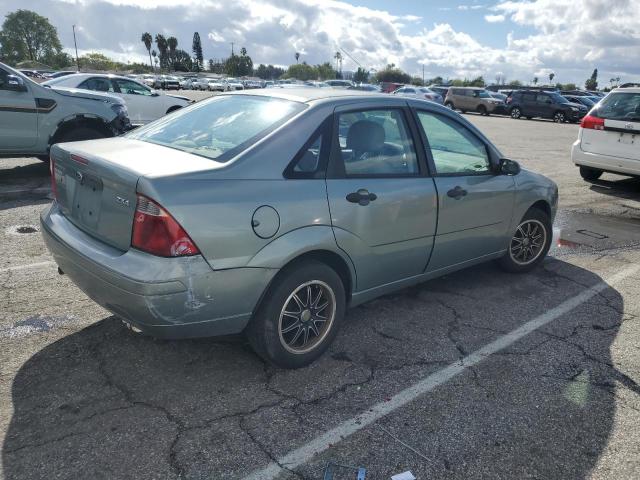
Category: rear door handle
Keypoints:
(361, 197)
(457, 192)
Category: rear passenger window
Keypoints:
(455, 150)
(311, 160)
(97, 84)
(376, 143)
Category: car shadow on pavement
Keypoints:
(105, 403)
(627, 188)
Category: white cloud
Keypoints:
(571, 37)
(494, 18)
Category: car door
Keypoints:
(18, 113)
(383, 207)
(529, 107)
(475, 205)
(544, 105)
(143, 106)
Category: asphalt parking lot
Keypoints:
(480, 374)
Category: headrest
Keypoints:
(365, 136)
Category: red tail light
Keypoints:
(52, 172)
(592, 123)
(155, 231)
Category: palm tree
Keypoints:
(147, 39)
(297, 55)
(155, 57)
(243, 52)
(161, 42)
(535, 80)
(338, 57)
(551, 77)
(172, 43)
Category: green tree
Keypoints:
(535, 80)
(196, 48)
(269, 72)
(338, 58)
(436, 80)
(361, 75)
(551, 77)
(147, 39)
(592, 82)
(477, 82)
(417, 81)
(515, 83)
(172, 45)
(297, 55)
(26, 35)
(302, 71)
(239, 66)
(392, 74)
(326, 71)
(182, 61)
(97, 61)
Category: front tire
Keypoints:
(529, 244)
(516, 113)
(450, 106)
(299, 316)
(559, 117)
(482, 110)
(590, 174)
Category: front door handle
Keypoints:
(361, 197)
(457, 192)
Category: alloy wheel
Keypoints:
(559, 117)
(306, 317)
(515, 113)
(528, 242)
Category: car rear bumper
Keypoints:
(165, 297)
(606, 163)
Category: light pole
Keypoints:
(76, 45)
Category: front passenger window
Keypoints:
(455, 150)
(376, 143)
(97, 84)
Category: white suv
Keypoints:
(609, 137)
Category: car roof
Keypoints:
(306, 95)
(626, 90)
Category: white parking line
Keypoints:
(321, 443)
(25, 267)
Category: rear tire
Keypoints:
(559, 117)
(530, 243)
(299, 316)
(589, 174)
(450, 106)
(482, 110)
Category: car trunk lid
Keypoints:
(96, 182)
(619, 138)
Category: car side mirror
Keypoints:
(15, 84)
(154, 93)
(508, 167)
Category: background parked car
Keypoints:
(143, 103)
(471, 99)
(419, 92)
(582, 100)
(340, 83)
(440, 89)
(234, 84)
(530, 104)
(608, 136)
(366, 87)
(168, 82)
(188, 83)
(42, 116)
(216, 85)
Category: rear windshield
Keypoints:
(620, 106)
(221, 127)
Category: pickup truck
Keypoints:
(33, 117)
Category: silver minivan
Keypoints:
(471, 99)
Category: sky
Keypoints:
(516, 39)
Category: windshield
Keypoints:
(223, 125)
(620, 106)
